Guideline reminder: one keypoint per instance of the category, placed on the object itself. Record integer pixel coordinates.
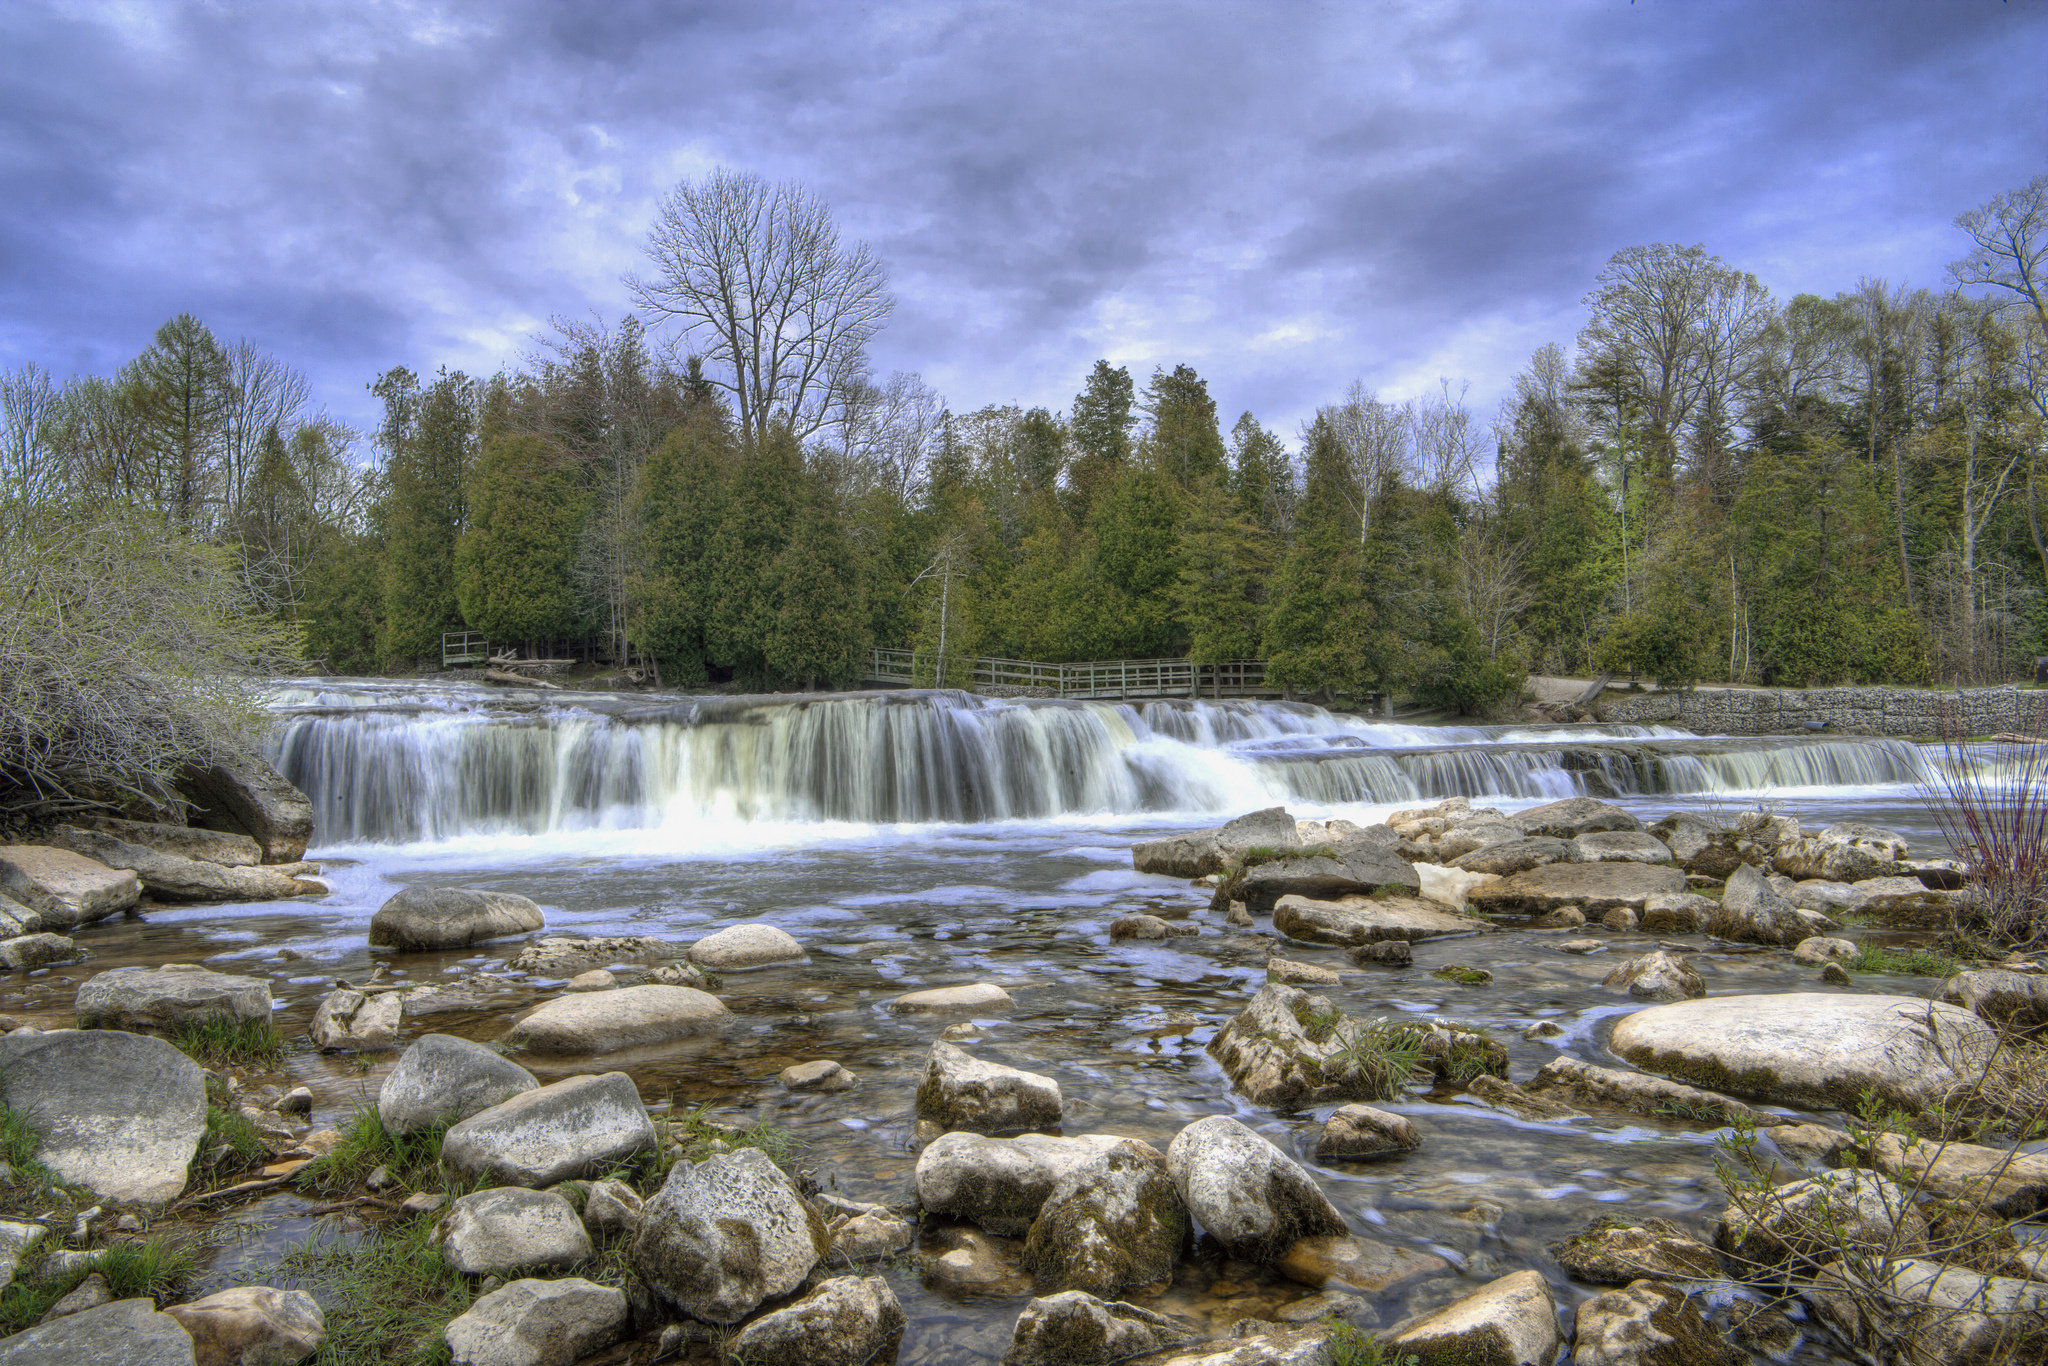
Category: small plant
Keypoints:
(1464, 976)
(1994, 812)
(699, 1136)
(1385, 1058)
(153, 1268)
(1902, 962)
(231, 1143)
(390, 1296)
(1318, 1025)
(215, 1043)
(1352, 1346)
(413, 1159)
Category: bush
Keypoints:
(1997, 823)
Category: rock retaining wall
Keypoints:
(1847, 711)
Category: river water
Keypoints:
(913, 840)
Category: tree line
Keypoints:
(1710, 484)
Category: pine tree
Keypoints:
(1101, 428)
(428, 438)
(1322, 633)
(1226, 559)
(1136, 568)
(512, 566)
(760, 513)
(1183, 443)
(819, 636)
(678, 513)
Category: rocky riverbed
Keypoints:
(1459, 1079)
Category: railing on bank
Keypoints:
(464, 647)
(1112, 678)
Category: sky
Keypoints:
(1289, 196)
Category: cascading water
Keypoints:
(388, 764)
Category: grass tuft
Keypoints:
(1901, 962)
(389, 1296)
(413, 1159)
(216, 1043)
(155, 1268)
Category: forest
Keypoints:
(1708, 483)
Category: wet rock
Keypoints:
(1519, 855)
(1825, 897)
(1367, 920)
(960, 1091)
(1635, 1092)
(1111, 1224)
(1507, 1322)
(1648, 1324)
(565, 1129)
(1621, 918)
(226, 848)
(2010, 1184)
(1254, 1342)
(1820, 950)
(1685, 834)
(565, 957)
(1753, 912)
(65, 889)
(351, 1022)
(738, 948)
(1357, 1132)
(846, 1321)
(510, 1229)
(1300, 974)
(124, 1333)
(1074, 1328)
(1573, 817)
(629, 1017)
(1290, 1050)
(1449, 886)
(1657, 976)
(1358, 1265)
(1212, 851)
(1835, 975)
(1000, 1183)
(15, 1239)
(823, 1075)
(1480, 832)
(1594, 888)
(1813, 1146)
(538, 1323)
(1582, 946)
(1903, 903)
(1820, 1218)
(1620, 846)
(1391, 953)
(166, 997)
(863, 1236)
(38, 950)
(1936, 1313)
(1357, 870)
(450, 917)
(2010, 1000)
(724, 1234)
(974, 1264)
(1246, 1193)
(1147, 927)
(1657, 1250)
(121, 1114)
(253, 1324)
(977, 996)
(241, 793)
(174, 877)
(597, 979)
(1818, 1050)
(17, 919)
(1847, 851)
(1675, 913)
(1564, 918)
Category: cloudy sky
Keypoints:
(1287, 195)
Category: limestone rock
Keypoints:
(121, 1114)
(511, 1229)
(1818, 1050)
(1366, 920)
(351, 1022)
(1820, 950)
(253, 1325)
(538, 1323)
(1594, 888)
(227, 848)
(738, 948)
(1507, 1322)
(174, 877)
(1847, 851)
(16, 1238)
(38, 950)
(1572, 817)
(597, 979)
(2011, 1000)
(166, 997)
(866, 1235)
(1358, 1265)
(2010, 1184)
(1936, 1313)
(724, 1234)
(1675, 913)
(17, 919)
(1754, 912)
(1658, 1250)
(1359, 1131)
(1648, 1324)
(566, 1129)
(1685, 834)
(564, 957)
(243, 794)
(1449, 886)
(1635, 1092)
(980, 997)
(1657, 976)
(1565, 918)
(1290, 1050)
(611, 1206)
(1820, 1217)
(822, 1075)
(1356, 870)
(1250, 1196)
(1212, 851)
(1392, 953)
(450, 917)
(1620, 846)
(605, 1022)
(63, 888)
(1074, 1328)
(1301, 974)
(124, 1333)
(846, 1321)
(1000, 1183)
(1518, 855)
(1148, 927)
(960, 1091)
(1114, 1223)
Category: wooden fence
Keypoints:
(1112, 678)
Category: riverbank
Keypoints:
(1902, 712)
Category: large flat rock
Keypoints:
(119, 1113)
(65, 888)
(124, 1333)
(607, 1021)
(1354, 920)
(177, 877)
(569, 1128)
(1817, 1050)
(1594, 888)
(1356, 869)
(243, 794)
(166, 997)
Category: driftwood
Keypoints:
(517, 680)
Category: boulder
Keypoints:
(1366, 920)
(1113, 1223)
(1594, 888)
(822, 1075)
(17, 919)
(351, 1022)
(1357, 1266)
(1754, 912)
(1685, 834)
(241, 793)
(1649, 1324)
(123, 1333)
(1300, 974)
(738, 948)
(960, 1091)
(569, 1128)
(1290, 1050)
(846, 1321)
(607, 1021)
(38, 950)
(724, 1234)
(1506, 1322)
(224, 847)
(16, 1238)
(1356, 1132)
(1657, 976)
(450, 917)
(2010, 1000)
(1213, 851)
(2008, 1183)
(1616, 1254)
(1818, 1219)
(1449, 886)
(1148, 927)
(1620, 846)
(1573, 817)
(1505, 858)
(253, 1325)
(597, 979)
(441, 1080)
(1675, 913)
(166, 997)
(1074, 1328)
(1000, 1183)
(1815, 1050)
(1819, 951)
(974, 997)
(611, 1206)
(1847, 851)
(65, 889)
(174, 877)
(860, 1237)
(121, 1114)
(559, 956)
(1250, 1196)
(538, 1323)
(511, 1229)
(1825, 897)
(1480, 832)
(1636, 1093)
(1355, 870)
(1920, 1310)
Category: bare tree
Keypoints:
(889, 433)
(759, 271)
(1374, 437)
(1446, 445)
(28, 414)
(259, 392)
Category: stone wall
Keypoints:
(1846, 711)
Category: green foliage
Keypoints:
(1135, 568)
(1183, 443)
(678, 510)
(388, 1296)
(159, 1269)
(1225, 563)
(343, 612)
(1351, 1345)
(1455, 672)
(761, 510)
(231, 1144)
(1669, 646)
(412, 1159)
(512, 566)
(692, 1136)
(428, 438)
(215, 1043)
(819, 636)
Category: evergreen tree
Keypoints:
(678, 514)
(512, 565)
(1261, 477)
(1101, 428)
(761, 509)
(427, 437)
(819, 636)
(1183, 442)
(1225, 561)
(1136, 568)
(1322, 632)
(185, 374)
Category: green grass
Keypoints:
(1901, 962)
(1351, 1345)
(699, 1136)
(389, 1296)
(1385, 1058)
(413, 1159)
(156, 1268)
(216, 1043)
(231, 1130)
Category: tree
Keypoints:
(819, 635)
(767, 490)
(1184, 442)
(678, 510)
(759, 271)
(1101, 428)
(513, 562)
(29, 412)
(1261, 476)
(185, 372)
(428, 437)
(1225, 561)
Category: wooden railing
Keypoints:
(1113, 678)
(464, 647)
